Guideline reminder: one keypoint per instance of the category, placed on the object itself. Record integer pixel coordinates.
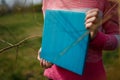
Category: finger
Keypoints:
(38, 57)
(44, 63)
(39, 51)
(48, 64)
(41, 62)
(92, 20)
(88, 25)
(91, 26)
(93, 14)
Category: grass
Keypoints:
(24, 65)
(112, 64)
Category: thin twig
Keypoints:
(17, 49)
(19, 43)
(6, 42)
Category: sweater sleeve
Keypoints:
(109, 38)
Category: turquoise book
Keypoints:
(65, 39)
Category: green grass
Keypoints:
(112, 64)
(23, 64)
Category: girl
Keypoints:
(103, 37)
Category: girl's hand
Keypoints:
(43, 63)
(93, 22)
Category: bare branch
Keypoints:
(6, 42)
(19, 43)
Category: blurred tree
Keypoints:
(4, 8)
(4, 2)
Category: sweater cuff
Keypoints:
(99, 41)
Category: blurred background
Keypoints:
(21, 24)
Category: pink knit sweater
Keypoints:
(106, 39)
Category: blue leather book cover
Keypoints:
(65, 39)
